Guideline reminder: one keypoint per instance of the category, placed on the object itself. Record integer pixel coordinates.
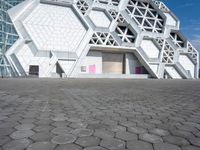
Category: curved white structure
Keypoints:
(100, 38)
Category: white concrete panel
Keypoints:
(131, 63)
(99, 18)
(54, 28)
(66, 65)
(150, 49)
(154, 68)
(170, 20)
(92, 58)
(173, 72)
(187, 64)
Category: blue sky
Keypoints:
(188, 12)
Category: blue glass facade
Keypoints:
(8, 35)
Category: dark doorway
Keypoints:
(34, 70)
(59, 70)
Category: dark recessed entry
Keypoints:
(34, 70)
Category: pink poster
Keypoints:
(92, 69)
(138, 70)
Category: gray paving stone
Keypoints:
(112, 144)
(82, 132)
(190, 148)
(88, 141)
(165, 146)
(42, 136)
(68, 147)
(137, 130)
(41, 146)
(75, 125)
(95, 148)
(17, 144)
(195, 141)
(63, 139)
(62, 130)
(104, 134)
(6, 131)
(97, 126)
(43, 128)
(60, 124)
(139, 145)
(150, 138)
(126, 136)
(25, 127)
(159, 132)
(4, 140)
(20, 134)
(116, 128)
(176, 140)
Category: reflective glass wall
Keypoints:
(8, 36)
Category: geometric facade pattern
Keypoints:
(125, 34)
(168, 51)
(83, 6)
(147, 18)
(100, 38)
(74, 38)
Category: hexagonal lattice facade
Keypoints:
(90, 37)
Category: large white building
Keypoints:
(99, 38)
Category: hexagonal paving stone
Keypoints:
(183, 134)
(60, 124)
(75, 125)
(97, 126)
(95, 148)
(126, 136)
(4, 139)
(159, 132)
(25, 127)
(176, 140)
(63, 139)
(117, 128)
(59, 118)
(17, 144)
(22, 134)
(6, 131)
(82, 132)
(137, 130)
(195, 141)
(189, 147)
(112, 144)
(43, 128)
(150, 138)
(139, 145)
(41, 146)
(42, 136)
(62, 130)
(88, 141)
(165, 146)
(68, 147)
(104, 134)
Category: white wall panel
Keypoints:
(170, 20)
(150, 49)
(99, 18)
(131, 63)
(54, 28)
(187, 64)
(173, 72)
(93, 58)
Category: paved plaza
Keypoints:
(99, 114)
